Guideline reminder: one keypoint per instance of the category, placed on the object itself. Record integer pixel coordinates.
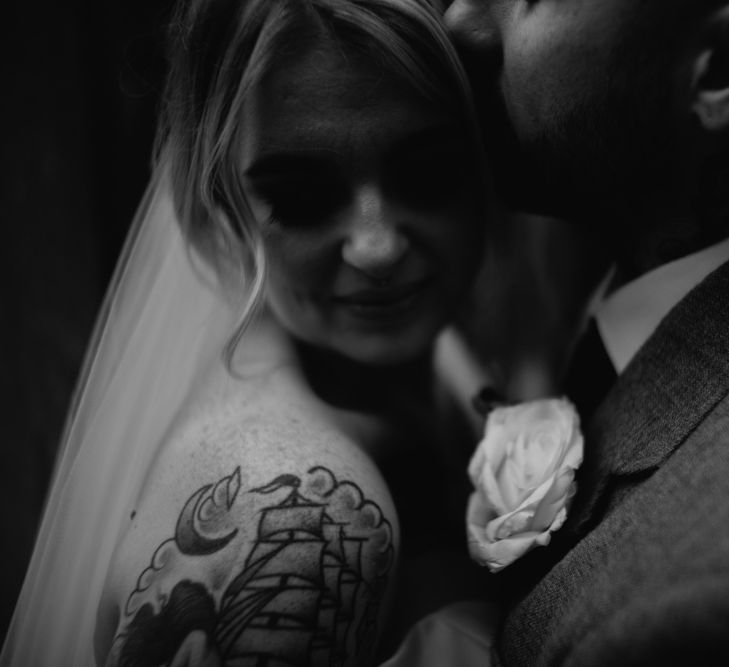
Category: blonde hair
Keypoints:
(218, 52)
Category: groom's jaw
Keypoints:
(578, 102)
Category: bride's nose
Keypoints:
(375, 242)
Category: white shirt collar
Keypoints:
(628, 316)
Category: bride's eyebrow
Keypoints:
(282, 164)
(432, 136)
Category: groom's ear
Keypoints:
(710, 93)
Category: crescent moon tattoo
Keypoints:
(187, 537)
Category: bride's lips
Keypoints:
(383, 300)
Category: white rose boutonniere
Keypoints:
(523, 473)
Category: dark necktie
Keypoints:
(590, 373)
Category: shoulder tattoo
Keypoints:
(289, 573)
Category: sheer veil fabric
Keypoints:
(164, 324)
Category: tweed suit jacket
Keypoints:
(639, 575)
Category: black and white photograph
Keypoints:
(365, 333)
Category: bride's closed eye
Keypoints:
(299, 190)
(300, 201)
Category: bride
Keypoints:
(262, 463)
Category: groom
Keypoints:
(615, 114)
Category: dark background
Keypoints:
(78, 89)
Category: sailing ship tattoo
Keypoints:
(294, 573)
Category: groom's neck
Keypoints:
(650, 236)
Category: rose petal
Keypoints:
(514, 523)
(497, 555)
(554, 500)
(476, 463)
(496, 436)
(491, 491)
(527, 508)
(479, 511)
(573, 456)
(516, 486)
(481, 471)
(559, 519)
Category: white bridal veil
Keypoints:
(162, 325)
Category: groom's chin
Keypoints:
(522, 187)
(539, 175)
(521, 180)
(540, 180)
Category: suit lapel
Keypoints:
(678, 376)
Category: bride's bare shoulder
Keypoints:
(246, 508)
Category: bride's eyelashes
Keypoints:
(297, 188)
(302, 202)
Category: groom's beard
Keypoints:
(604, 156)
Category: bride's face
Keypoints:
(369, 204)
